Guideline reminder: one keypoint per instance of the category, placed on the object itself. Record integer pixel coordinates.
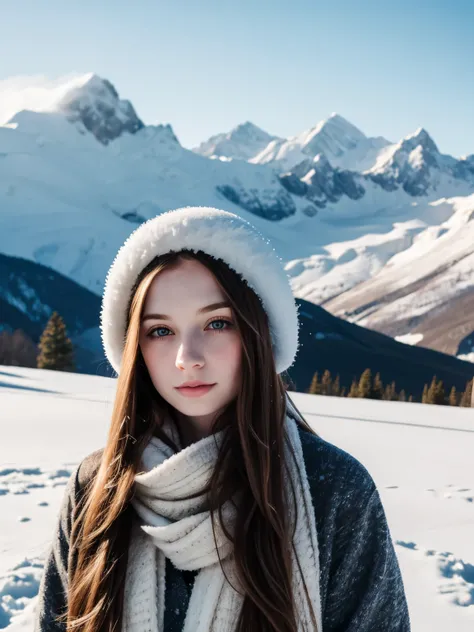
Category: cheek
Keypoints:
(231, 354)
(155, 361)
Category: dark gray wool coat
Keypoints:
(361, 584)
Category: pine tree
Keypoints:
(402, 397)
(336, 387)
(469, 389)
(343, 392)
(377, 390)
(410, 399)
(436, 394)
(467, 395)
(453, 397)
(424, 397)
(56, 350)
(326, 383)
(315, 387)
(431, 391)
(365, 384)
(393, 388)
(388, 393)
(354, 391)
(440, 395)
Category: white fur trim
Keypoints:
(221, 234)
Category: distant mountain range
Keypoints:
(327, 342)
(376, 232)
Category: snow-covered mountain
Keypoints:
(97, 106)
(416, 164)
(426, 289)
(89, 102)
(68, 201)
(242, 143)
(319, 182)
(343, 144)
(335, 159)
(376, 244)
(334, 165)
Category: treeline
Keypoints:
(54, 351)
(372, 387)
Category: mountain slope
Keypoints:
(31, 292)
(344, 348)
(420, 290)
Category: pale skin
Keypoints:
(191, 344)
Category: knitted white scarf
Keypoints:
(182, 531)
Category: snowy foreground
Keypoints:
(420, 457)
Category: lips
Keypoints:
(193, 384)
(195, 391)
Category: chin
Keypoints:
(196, 409)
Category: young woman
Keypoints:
(213, 506)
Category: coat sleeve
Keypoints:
(365, 588)
(52, 596)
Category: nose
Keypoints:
(189, 355)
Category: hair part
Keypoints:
(250, 466)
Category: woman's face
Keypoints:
(183, 340)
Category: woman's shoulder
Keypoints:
(361, 584)
(332, 472)
(88, 468)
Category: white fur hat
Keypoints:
(222, 235)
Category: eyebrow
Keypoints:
(203, 310)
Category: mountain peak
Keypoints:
(84, 85)
(332, 136)
(251, 130)
(94, 102)
(339, 125)
(243, 142)
(338, 118)
(415, 163)
(419, 137)
(248, 125)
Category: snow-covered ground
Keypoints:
(419, 455)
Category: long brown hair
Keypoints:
(250, 465)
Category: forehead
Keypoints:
(189, 283)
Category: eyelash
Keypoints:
(216, 320)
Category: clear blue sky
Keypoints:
(388, 67)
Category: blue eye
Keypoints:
(157, 329)
(215, 329)
(219, 320)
